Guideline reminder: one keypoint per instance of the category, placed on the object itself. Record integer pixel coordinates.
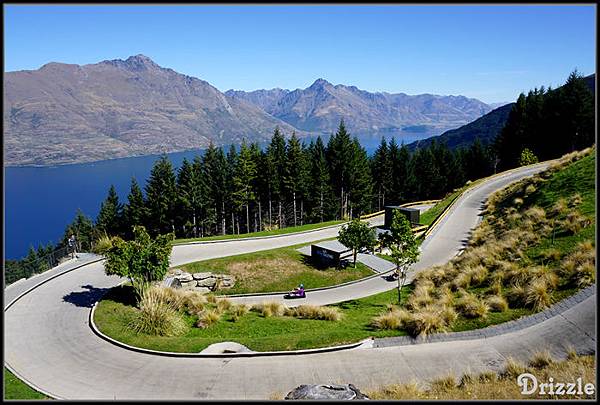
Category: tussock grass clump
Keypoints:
(307, 311)
(516, 296)
(536, 214)
(478, 275)
(551, 254)
(208, 317)
(269, 308)
(575, 200)
(530, 189)
(513, 368)
(461, 282)
(157, 316)
(103, 244)
(538, 294)
(239, 310)
(470, 306)
(584, 275)
(517, 276)
(541, 359)
(419, 297)
(211, 298)
(223, 304)
(497, 303)
(560, 207)
(575, 222)
(427, 320)
(517, 202)
(194, 302)
(444, 383)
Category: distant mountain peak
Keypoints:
(320, 82)
(136, 63)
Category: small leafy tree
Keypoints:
(403, 246)
(142, 259)
(357, 235)
(527, 158)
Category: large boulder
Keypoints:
(326, 391)
(202, 276)
(207, 282)
(172, 282)
(185, 277)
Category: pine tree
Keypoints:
(215, 173)
(276, 168)
(83, 229)
(359, 185)
(134, 212)
(322, 200)
(161, 192)
(110, 216)
(382, 173)
(340, 158)
(244, 176)
(295, 175)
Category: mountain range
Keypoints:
(67, 113)
(320, 107)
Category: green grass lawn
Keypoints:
(291, 229)
(17, 389)
(280, 269)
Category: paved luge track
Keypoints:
(49, 344)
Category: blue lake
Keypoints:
(39, 202)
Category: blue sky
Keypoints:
(488, 52)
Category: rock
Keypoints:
(185, 277)
(177, 272)
(226, 347)
(202, 276)
(207, 282)
(172, 282)
(326, 391)
(202, 290)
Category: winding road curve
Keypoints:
(49, 344)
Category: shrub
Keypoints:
(470, 306)
(538, 294)
(497, 303)
(541, 359)
(156, 316)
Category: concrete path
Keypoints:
(49, 344)
(375, 263)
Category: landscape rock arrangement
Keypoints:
(326, 391)
(200, 282)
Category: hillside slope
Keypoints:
(65, 113)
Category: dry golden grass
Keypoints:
(497, 303)
(538, 294)
(307, 311)
(491, 386)
(269, 308)
(239, 310)
(530, 189)
(207, 318)
(560, 207)
(470, 306)
(223, 304)
(427, 320)
(541, 359)
(158, 315)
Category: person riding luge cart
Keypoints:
(296, 293)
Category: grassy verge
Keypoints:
(279, 269)
(431, 214)
(291, 229)
(503, 385)
(17, 389)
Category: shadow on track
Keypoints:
(85, 298)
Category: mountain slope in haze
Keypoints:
(320, 107)
(485, 128)
(65, 113)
